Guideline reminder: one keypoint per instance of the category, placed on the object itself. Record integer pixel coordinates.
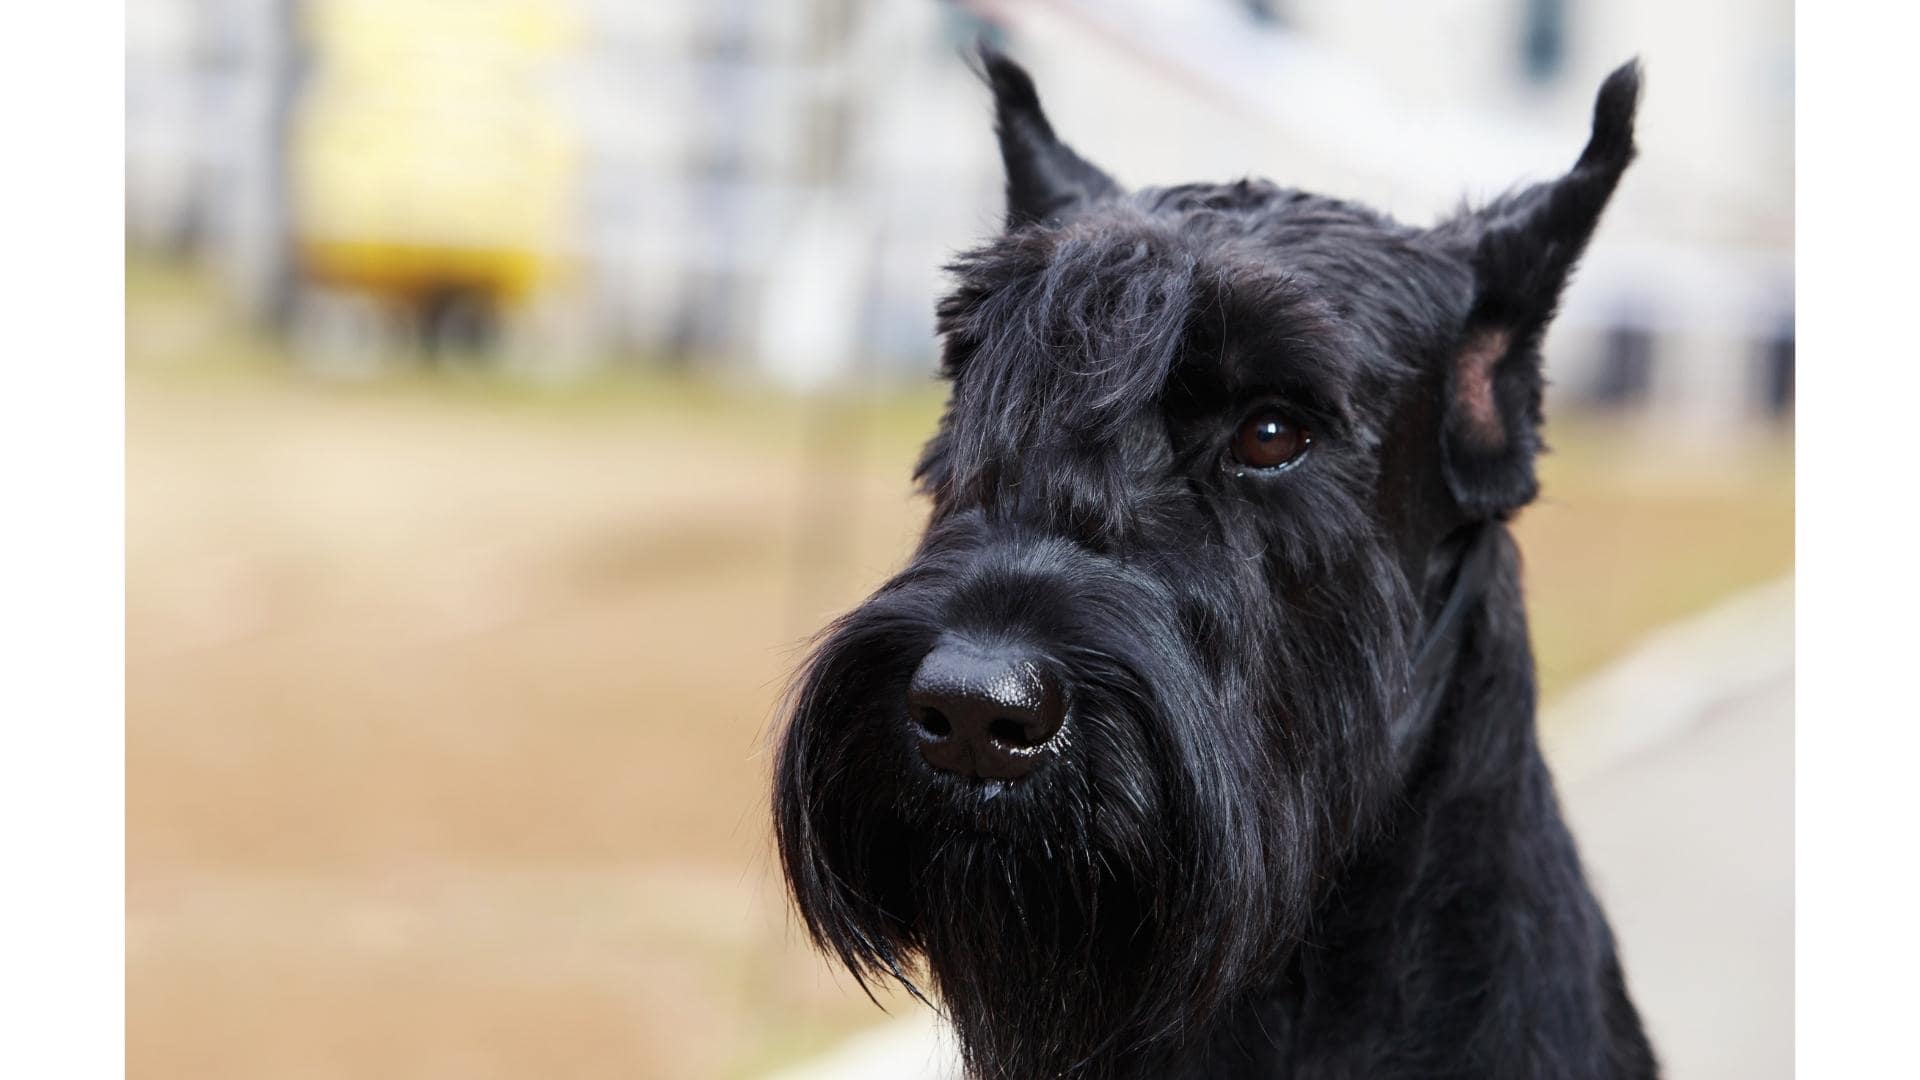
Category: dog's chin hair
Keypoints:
(1045, 970)
(1066, 959)
(1012, 945)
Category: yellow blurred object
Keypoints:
(430, 149)
(412, 271)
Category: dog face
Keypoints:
(1094, 753)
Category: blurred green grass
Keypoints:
(447, 688)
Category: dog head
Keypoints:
(1092, 756)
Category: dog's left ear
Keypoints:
(1046, 180)
(1523, 248)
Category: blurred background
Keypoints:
(513, 386)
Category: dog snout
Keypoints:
(988, 712)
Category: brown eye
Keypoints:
(1268, 440)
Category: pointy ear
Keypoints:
(1046, 180)
(1522, 249)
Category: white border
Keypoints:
(1857, 718)
(62, 550)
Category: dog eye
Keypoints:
(1268, 440)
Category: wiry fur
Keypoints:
(1225, 869)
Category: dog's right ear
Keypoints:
(1046, 180)
(1522, 249)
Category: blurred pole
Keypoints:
(835, 449)
(727, 53)
(256, 41)
(1778, 371)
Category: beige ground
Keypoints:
(447, 699)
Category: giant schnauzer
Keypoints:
(1197, 738)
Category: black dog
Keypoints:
(1197, 739)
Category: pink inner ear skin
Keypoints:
(1473, 387)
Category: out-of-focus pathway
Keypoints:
(1687, 832)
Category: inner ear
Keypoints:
(1492, 420)
(1475, 401)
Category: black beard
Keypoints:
(1041, 963)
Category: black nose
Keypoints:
(983, 711)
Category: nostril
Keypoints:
(934, 722)
(982, 711)
(1012, 733)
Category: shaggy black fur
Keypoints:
(1295, 821)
